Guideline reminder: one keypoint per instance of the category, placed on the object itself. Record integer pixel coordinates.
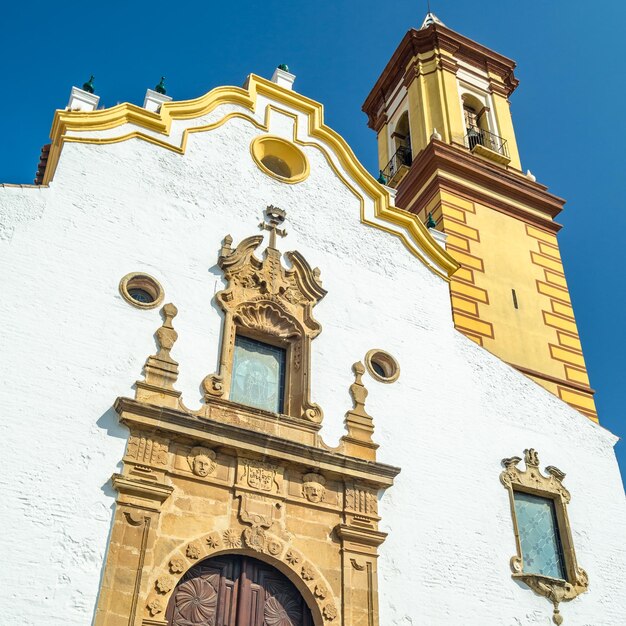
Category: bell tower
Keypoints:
(446, 143)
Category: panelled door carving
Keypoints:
(236, 591)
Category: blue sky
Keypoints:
(568, 109)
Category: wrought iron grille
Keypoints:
(401, 157)
(477, 136)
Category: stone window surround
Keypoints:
(532, 481)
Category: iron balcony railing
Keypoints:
(401, 157)
(477, 136)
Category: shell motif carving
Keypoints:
(267, 318)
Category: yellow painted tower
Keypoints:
(446, 143)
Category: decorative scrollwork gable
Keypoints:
(266, 301)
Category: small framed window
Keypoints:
(382, 366)
(141, 290)
(258, 374)
(545, 559)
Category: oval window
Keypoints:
(382, 366)
(141, 290)
(279, 158)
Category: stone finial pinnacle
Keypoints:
(88, 86)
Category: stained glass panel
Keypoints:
(258, 375)
(539, 535)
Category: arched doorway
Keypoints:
(236, 590)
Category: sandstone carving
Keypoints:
(232, 538)
(292, 558)
(165, 583)
(313, 487)
(361, 500)
(202, 461)
(307, 572)
(264, 297)
(330, 612)
(193, 551)
(254, 538)
(261, 476)
(274, 547)
(155, 607)
(147, 450)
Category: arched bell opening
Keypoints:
(234, 589)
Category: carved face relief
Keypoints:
(202, 461)
(313, 488)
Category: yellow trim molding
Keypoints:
(412, 232)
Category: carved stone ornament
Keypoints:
(155, 607)
(313, 488)
(161, 370)
(531, 480)
(254, 538)
(165, 583)
(292, 558)
(330, 612)
(307, 572)
(261, 476)
(147, 450)
(177, 566)
(193, 551)
(232, 538)
(264, 300)
(202, 461)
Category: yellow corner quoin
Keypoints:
(414, 233)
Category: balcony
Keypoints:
(398, 166)
(487, 144)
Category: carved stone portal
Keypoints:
(231, 478)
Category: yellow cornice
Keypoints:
(92, 121)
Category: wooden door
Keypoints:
(236, 591)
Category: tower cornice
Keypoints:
(437, 38)
(440, 165)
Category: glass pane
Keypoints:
(539, 535)
(258, 375)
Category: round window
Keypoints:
(382, 366)
(141, 290)
(279, 158)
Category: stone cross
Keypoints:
(275, 217)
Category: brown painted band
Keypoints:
(553, 379)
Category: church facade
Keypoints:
(258, 387)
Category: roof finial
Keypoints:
(284, 67)
(430, 222)
(88, 86)
(160, 88)
(430, 18)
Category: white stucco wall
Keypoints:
(71, 345)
